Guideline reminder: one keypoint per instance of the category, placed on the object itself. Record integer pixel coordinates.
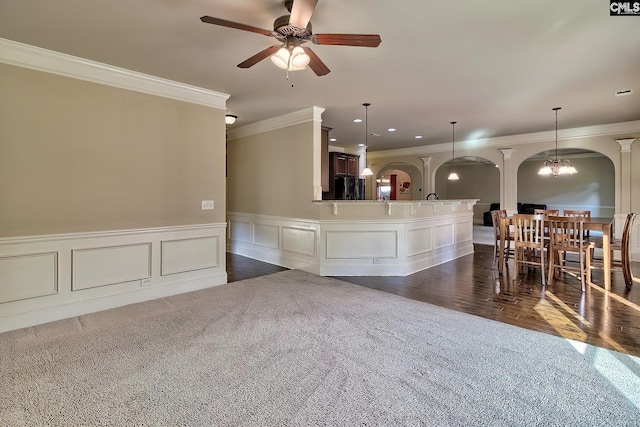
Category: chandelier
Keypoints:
(557, 166)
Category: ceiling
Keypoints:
(497, 68)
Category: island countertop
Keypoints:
(393, 208)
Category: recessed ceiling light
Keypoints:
(624, 92)
(357, 120)
(360, 145)
(332, 139)
(391, 129)
(418, 137)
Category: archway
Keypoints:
(479, 178)
(592, 188)
(408, 182)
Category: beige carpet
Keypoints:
(294, 349)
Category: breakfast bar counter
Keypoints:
(359, 237)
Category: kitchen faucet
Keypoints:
(432, 194)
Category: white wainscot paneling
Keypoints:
(110, 265)
(182, 255)
(299, 240)
(362, 244)
(52, 277)
(240, 231)
(419, 241)
(464, 231)
(266, 235)
(443, 236)
(39, 271)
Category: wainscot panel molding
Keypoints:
(52, 277)
(110, 265)
(40, 270)
(35, 58)
(288, 242)
(184, 255)
(393, 246)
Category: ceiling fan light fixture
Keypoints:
(299, 59)
(281, 58)
(292, 30)
(291, 59)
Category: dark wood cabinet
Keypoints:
(353, 166)
(343, 165)
(344, 182)
(339, 161)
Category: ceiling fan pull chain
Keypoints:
(289, 67)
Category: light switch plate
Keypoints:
(207, 205)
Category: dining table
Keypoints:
(602, 224)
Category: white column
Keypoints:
(317, 153)
(427, 185)
(624, 206)
(508, 182)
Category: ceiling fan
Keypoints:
(292, 31)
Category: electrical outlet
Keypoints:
(146, 281)
(207, 205)
(376, 261)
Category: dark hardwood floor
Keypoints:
(605, 319)
(242, 268)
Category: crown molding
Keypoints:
(614, 130)
(48, 61)
(290, 119)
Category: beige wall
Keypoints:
(477, 181)
(77, 156)
(272, 172)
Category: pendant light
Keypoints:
(453, 176)
(366, 171)
(557, 166)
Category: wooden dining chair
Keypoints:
(529, 242)
(496, 216)
(580, 214)
(546, 212)
(621, 245)
(566, 235)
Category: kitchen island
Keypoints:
(359, 237)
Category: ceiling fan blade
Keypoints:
(363, 40)
(236, 25)
(316, 63)
(301, 12)
(259, 56)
